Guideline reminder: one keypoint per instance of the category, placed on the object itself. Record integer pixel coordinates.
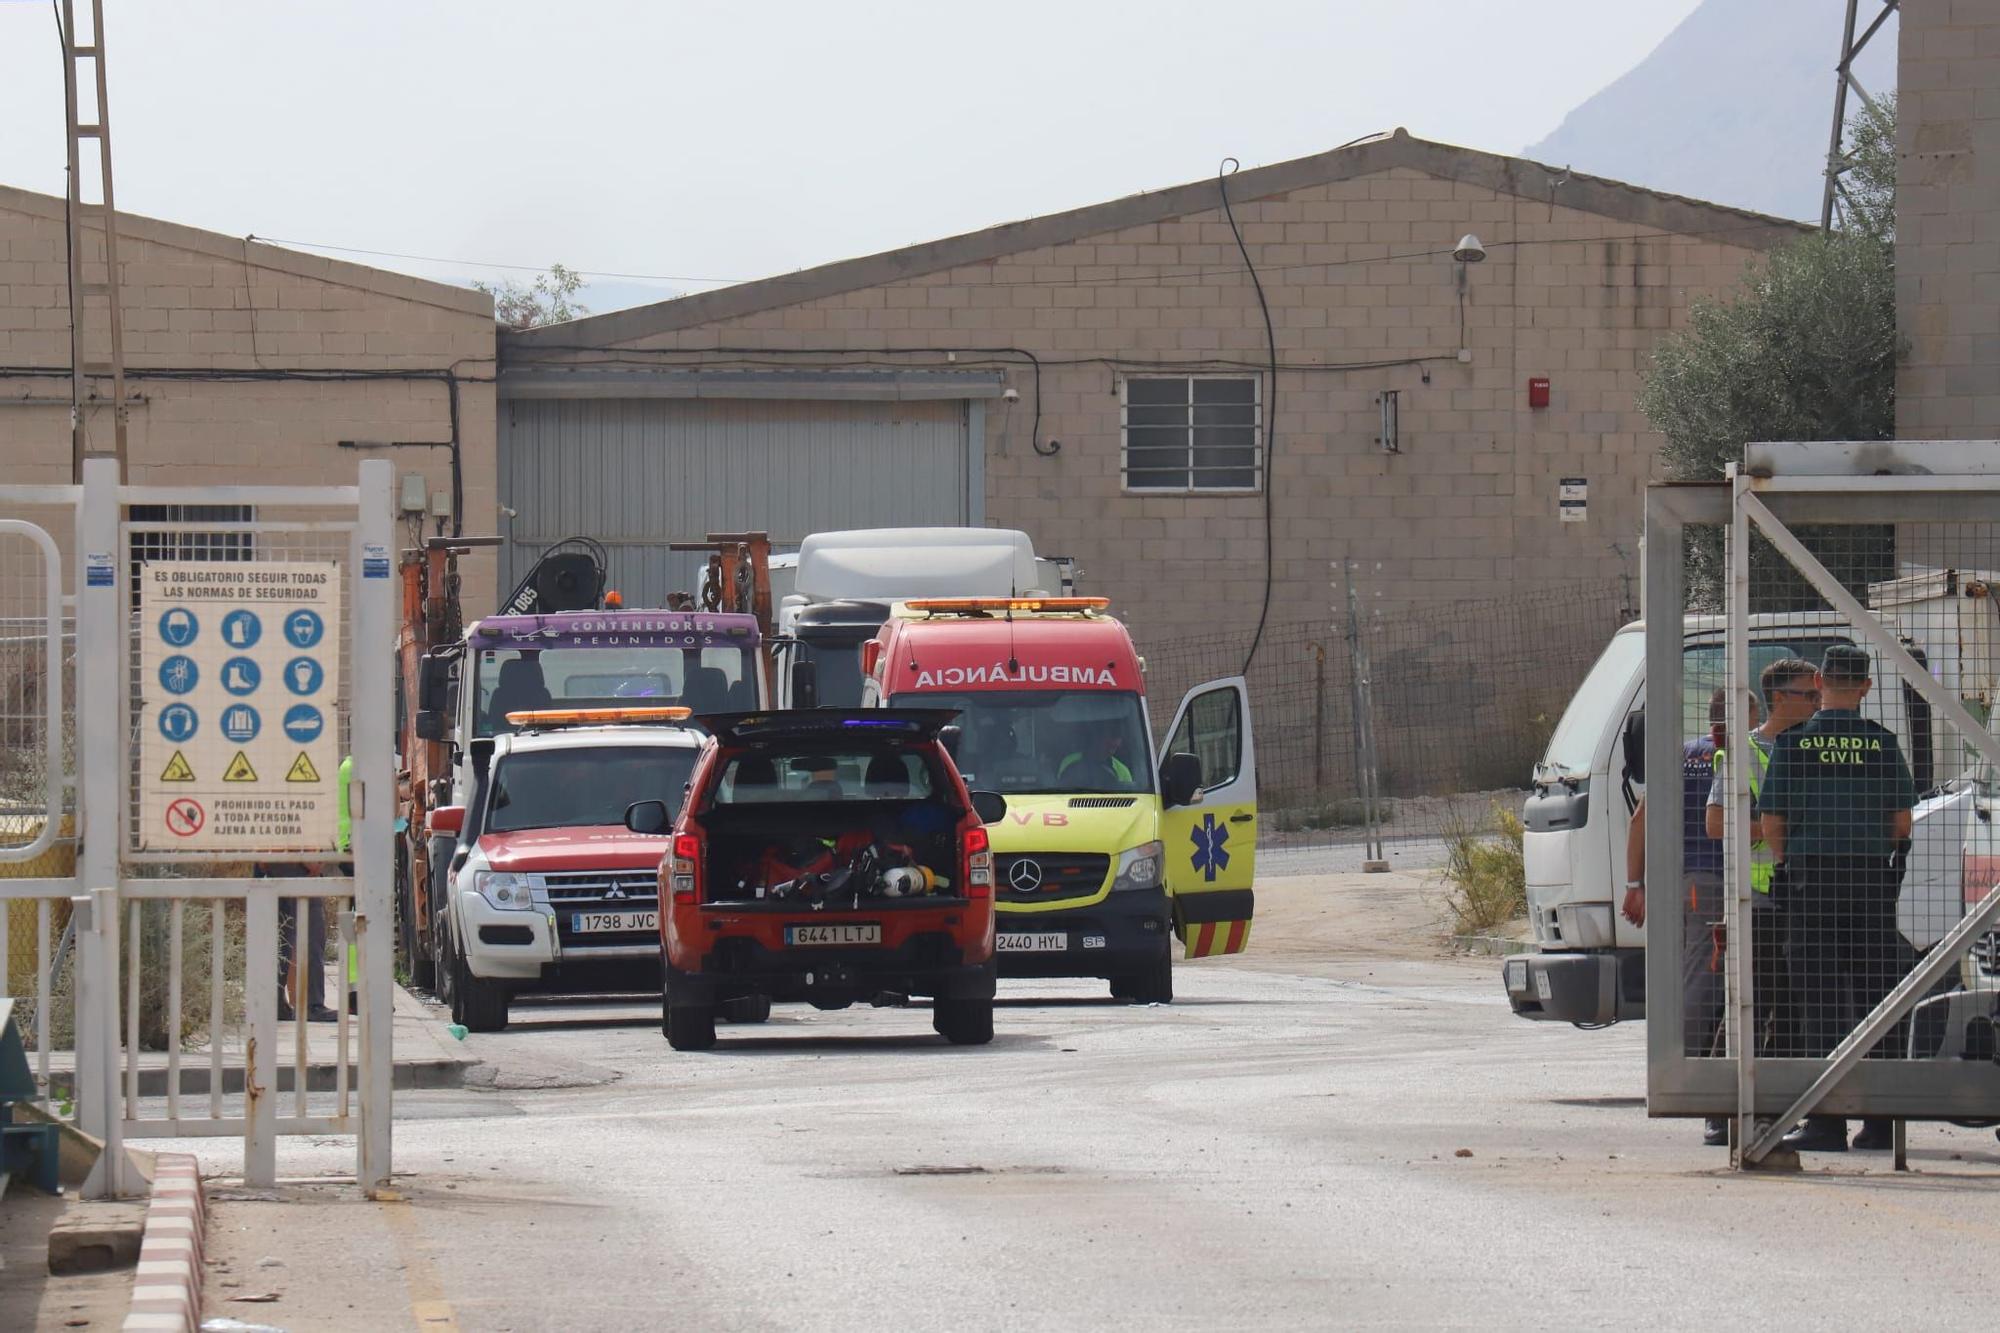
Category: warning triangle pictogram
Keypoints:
(302, 770)
(177, 769)
(239, 769)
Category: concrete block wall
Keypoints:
(195, 300)
(1948, 219)
(1356, 271)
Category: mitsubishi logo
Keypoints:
(613, 891)
(1025, 875)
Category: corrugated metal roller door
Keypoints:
(637, 474)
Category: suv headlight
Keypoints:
(508, 892)
(1139, 868)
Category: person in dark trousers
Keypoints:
(314, 962)
(1836, 803)
(1701, 875)
(1791, 689)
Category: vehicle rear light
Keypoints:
(687, 856)
(978, 863)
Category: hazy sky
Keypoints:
(743, 139)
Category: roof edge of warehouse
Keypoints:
(1591, 194)
(261, 254)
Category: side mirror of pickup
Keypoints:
(990, 806)
(805, 684)
(648, 817)
(1180, 779)
(447, 821)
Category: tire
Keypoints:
(745, 1009)
(441, 970)
(963, 1022)
(690, 1027)
(1155, 985)
(1121, 988)
(478, 1004)
(413, 955)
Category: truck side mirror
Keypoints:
(1180, 779)
(990, 806)
(429, 725)
(1635, 747)
(433, 683)
(647, 817)
(805, 684)
(951, 738)
(447, 821)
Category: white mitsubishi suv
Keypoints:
(550, 892)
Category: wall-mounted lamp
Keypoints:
(1389, 438)
(1468, 251)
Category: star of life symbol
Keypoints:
(1208, 838)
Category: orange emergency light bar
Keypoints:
(584, 717)
(1009, 604)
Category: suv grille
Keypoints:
(601, 891)
(1986, 954)
(1031, 877)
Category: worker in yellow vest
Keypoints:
(1791, 688)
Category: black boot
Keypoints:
(1715, 1132)
(1822, 1133)
(1876, 1135)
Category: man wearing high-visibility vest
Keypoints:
(1791, 690)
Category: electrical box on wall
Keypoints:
(1538, 391)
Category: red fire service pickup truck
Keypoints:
(826, 855)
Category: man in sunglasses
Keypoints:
(1790, 687)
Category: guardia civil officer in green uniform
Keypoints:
(1835, 804)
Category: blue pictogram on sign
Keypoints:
(304, 676)
(1209, 856)
(179, 627)
(242, 629)
(178, 722)
(304, 628)
(303, 723)
(240, 723)
(241, 676)
(179, 674)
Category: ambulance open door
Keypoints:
(1211, 843)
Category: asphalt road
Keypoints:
(1298, 1141)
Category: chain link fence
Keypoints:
(1461, 695)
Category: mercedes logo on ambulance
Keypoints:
(1025, 876)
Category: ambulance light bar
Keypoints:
(590, 717)
(936, 604)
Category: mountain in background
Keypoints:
(1733, 107)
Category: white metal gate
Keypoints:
(174, 978)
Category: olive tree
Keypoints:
(1804, 349)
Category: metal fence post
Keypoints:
(260, 1010)
(1366, 777)
(1739, 980)
(371, 802)
(100, 761)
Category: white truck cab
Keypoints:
(1588, 967)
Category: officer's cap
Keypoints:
(1844, 663)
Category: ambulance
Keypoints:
(1110, 847)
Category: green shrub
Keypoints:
(1489, 881)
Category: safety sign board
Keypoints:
(239, 726)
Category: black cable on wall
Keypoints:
(1229, 166)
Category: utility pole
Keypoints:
(1851, 46)
(98, 127)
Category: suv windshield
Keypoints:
(581, 788)
(1054, 741)
(708, 680)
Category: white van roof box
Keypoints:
(896, 564)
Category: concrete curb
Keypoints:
(166, 1289)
